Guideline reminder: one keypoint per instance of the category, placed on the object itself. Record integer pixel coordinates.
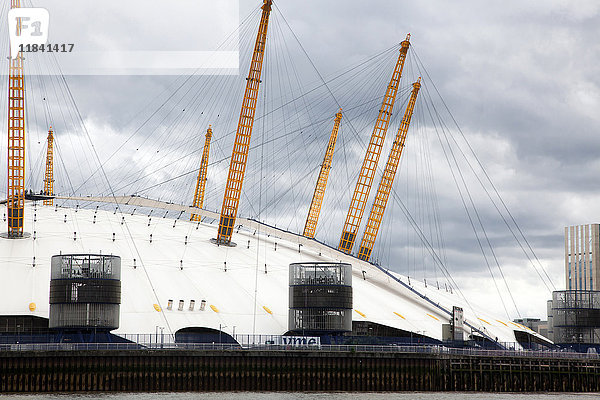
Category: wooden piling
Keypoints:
(243, 370)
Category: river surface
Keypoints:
(305, 396)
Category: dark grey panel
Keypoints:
(85, 291)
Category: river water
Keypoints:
(304, 396)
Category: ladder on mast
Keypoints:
(201, 183)
(49, 176)
(315, 205)
(369, 165)
(239, 156)
(16, 141)
(387, 180)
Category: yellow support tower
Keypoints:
(389, 173)
(369, 166)
(16, 142)
(239, 156)
(317, 200)
(201, 183)
(49, 177)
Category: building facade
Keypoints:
(575, 316)
(574, 313)
(535, 324)
(582, 257)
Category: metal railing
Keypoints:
(434, 350)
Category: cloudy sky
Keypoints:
(522, 79)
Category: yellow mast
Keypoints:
(369, 166)
(239, 156)
(201, 183)
(16, 141)
(389, 173)
(317, 200)
(49, 177)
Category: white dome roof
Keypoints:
(181, 263)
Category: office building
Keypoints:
(582, 257)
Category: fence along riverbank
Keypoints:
(300, 370)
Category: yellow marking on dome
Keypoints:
(525, 327)
(361, 314)
(400, 315)
(481, 319)
(215, 309)
(267, 309)
(501, 322)
(157, 308)
(432, 316)
(32, 307)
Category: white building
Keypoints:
(168, 262)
